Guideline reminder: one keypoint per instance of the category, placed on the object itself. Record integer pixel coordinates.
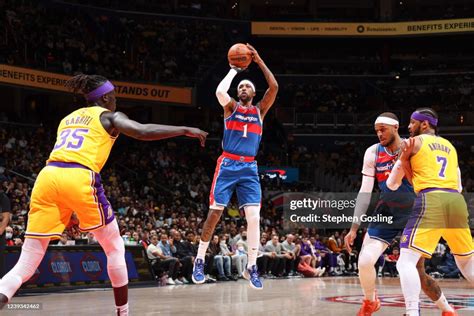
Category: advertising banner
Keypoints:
(362, 29)
(129, 90)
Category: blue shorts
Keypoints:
(232, 175)
(383, 235)
(394, 205)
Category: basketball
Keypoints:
(239, 56)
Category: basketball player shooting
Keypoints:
(236, 168)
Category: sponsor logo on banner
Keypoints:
(362, 29)
(91, 266)
(60, 267)
(129, 90)
(72, 266)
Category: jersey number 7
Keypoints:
(444, 162)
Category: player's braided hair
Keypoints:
(85, 83)
(429, 112)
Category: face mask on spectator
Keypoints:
(8, 235)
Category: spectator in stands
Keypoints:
(63, 240)
(264, 259)
(291, 252)
(436, 259)
(91, 239)
(160, 261)
(226, 250)
(9, 236)
(239, 259)
(274, 246)
(185, 254)
(306, 253)
(221, 262)
(448, 268)
(391, 262)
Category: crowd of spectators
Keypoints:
(176, 50)
(295, 10)
(117, 45)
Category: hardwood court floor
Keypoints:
(280, 297)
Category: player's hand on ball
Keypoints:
(255, 56)
(197, 133)
(237, 68)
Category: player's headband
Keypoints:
(100, 91)
(386, 120)
(245, 81)
(423, 117)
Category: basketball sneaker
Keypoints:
(198, 272)
(453, 313)
(369, 307)
(252, 275)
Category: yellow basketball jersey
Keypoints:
(435, 165)
(82, 139)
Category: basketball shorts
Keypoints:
(233, 175)
(61, 189)
(394, 205)
(438, 213)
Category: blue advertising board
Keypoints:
(67, 267)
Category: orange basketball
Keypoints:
(239, 56)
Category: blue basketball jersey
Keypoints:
(384, 163)
(243, 131)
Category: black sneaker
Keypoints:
(232, 277)
(222, 278)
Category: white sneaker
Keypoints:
(317, 271)
(178, 282)
(185, 281)
(321, 273)
(170, 281)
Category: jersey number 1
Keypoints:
(245, 131)
(443, 161)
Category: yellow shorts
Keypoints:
(438, 214)
(61, 189)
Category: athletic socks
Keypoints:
(443, 304)
(122, 310)
(202, 250)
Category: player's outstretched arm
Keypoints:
(271, 93)
(122, 124)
